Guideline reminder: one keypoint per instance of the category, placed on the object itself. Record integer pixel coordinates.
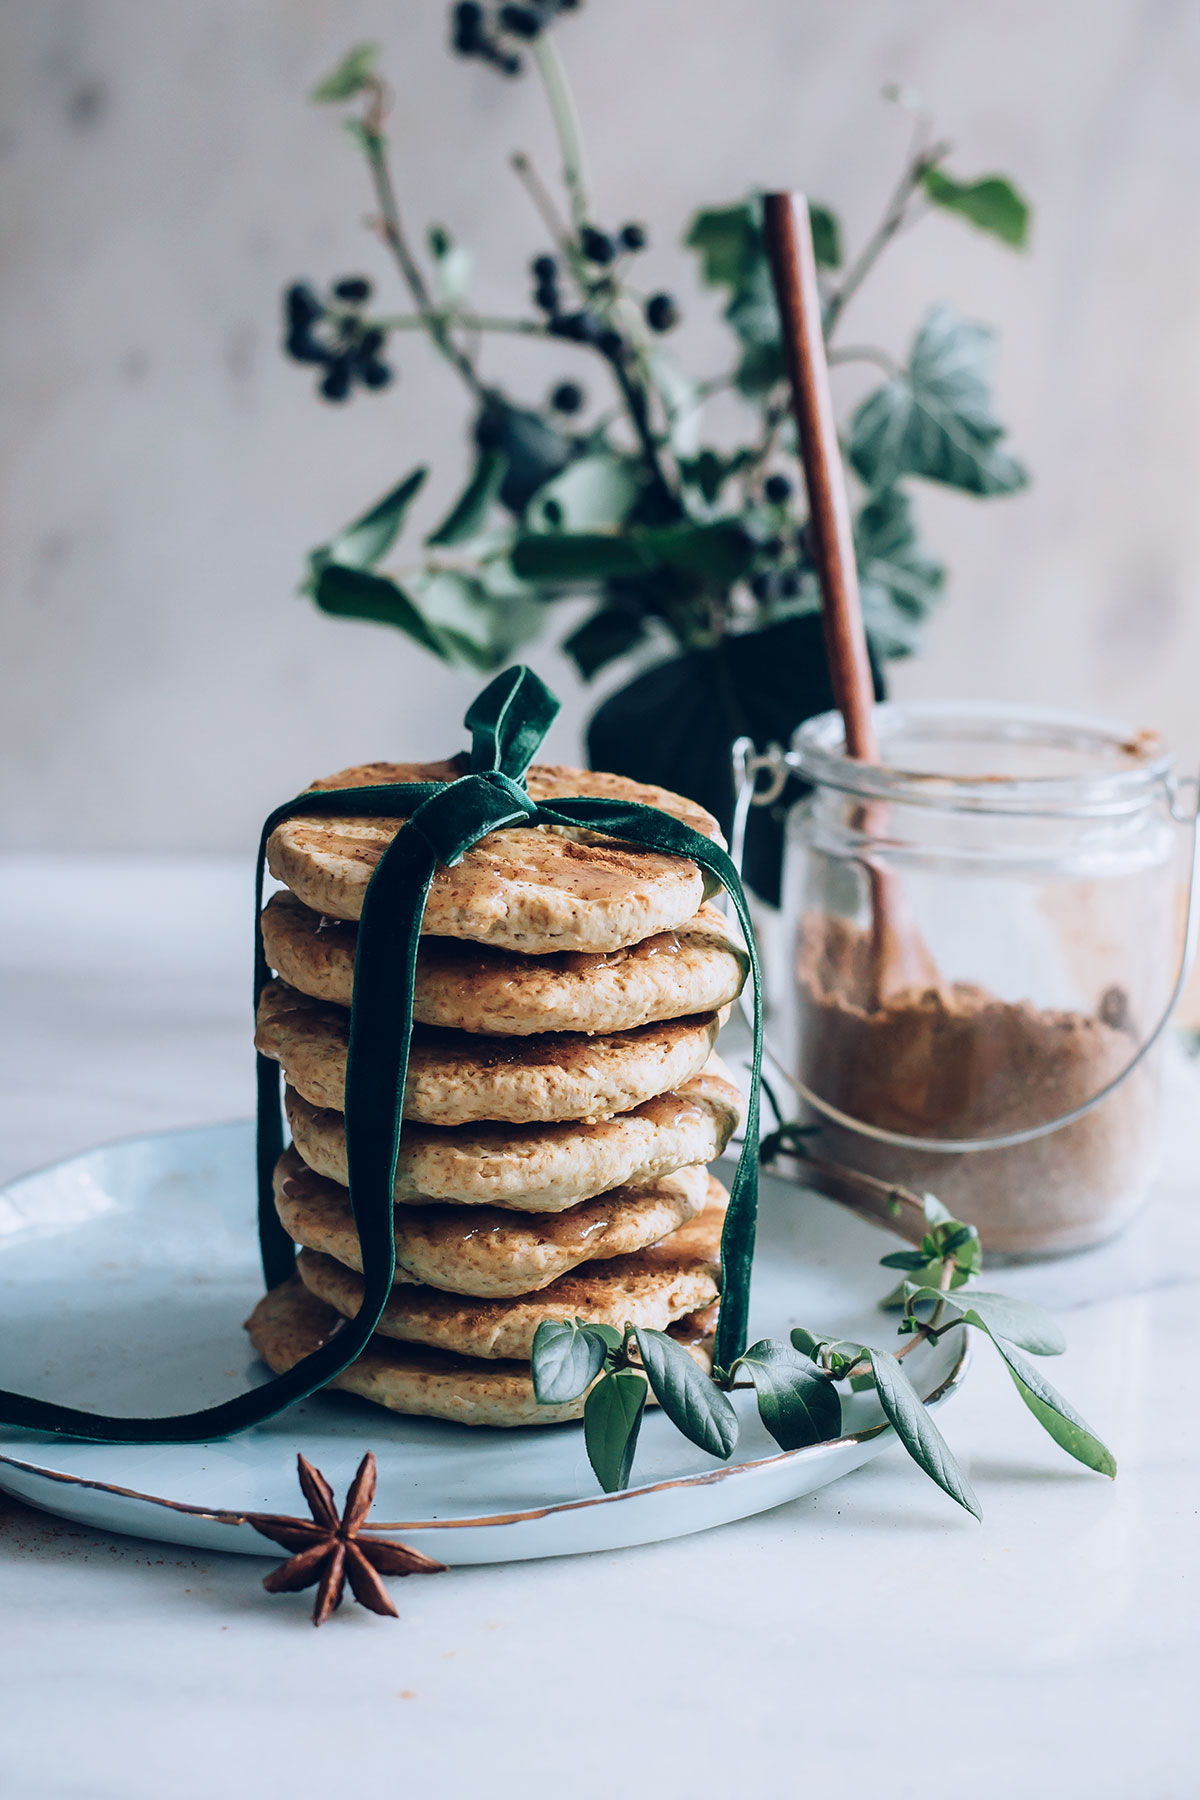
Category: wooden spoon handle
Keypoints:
(794, 268)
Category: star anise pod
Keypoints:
(329, 1550)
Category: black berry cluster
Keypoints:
(578, 326)
(491, 33)
(335, 338)
(786, 557)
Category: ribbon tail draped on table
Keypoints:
(442, 821)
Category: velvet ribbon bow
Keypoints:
(443, 820)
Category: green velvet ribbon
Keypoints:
(443, 821)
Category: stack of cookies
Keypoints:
(562, 1100)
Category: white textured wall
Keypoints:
(164, 470)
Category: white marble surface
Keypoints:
(868, 1640)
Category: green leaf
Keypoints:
(482, 627)
(612, 1418)
(827, 236)
(904, 1259)
(594, 493)
(992, 203)
(727, 240)
(1054, 1413)
(355, 594)
(721, 551)
(796, 1402)
(1016, 1320)
(899, 583)
(805, 1341)
(451, 264)
(362, 544)
(905, 1412)
(465, 518)
(601, 639)
(690, 1398)
(935, 419)
(567, 1357)
(575, 559)
(682, 402)
(352, 74)
(935, 1212)
(535, 450)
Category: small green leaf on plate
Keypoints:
(1016, 1320)
(905, 1411)
(612, 1418)
(690, 1398)
(566, 1359)
(796, 1402)
(1055, 1414)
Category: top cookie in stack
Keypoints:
(562, 1097)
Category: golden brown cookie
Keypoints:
(679, 1275)
(482, 1250)
(529, 888)
(289, 1322)
(539, 1168)
(476, 987)
(455, 1078)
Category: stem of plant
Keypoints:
(375, 144)
(894, 217)
(566, 125)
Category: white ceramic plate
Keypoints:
(126, 1273)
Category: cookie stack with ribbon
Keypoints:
(561, 1102)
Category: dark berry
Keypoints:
(610, 343)
(773, 548)
(777, 489)
(522, 21)
(302, 347)
(567, 397)
(544, 268)
(468, 28)
(371, 343)
(661, 312)
(374, 374)
(301, 306)
(632, 237)
(353, 288)
(577, 328)
(545, 296)
(789, 584)
(596, 245)
(336, 385)
(763, 587)
(552, 512)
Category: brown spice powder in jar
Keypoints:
(957, 1062)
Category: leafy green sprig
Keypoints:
(798, 1385)
(678, 539)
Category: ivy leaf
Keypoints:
(905, 1411)
(534, 450)
(796, 1402)
(352, 74)
(935, 418)
(601, 639)
(612, 1418)
(481, 626)
(827, 236)
(594, 493)
(691, 1400)
(900, 584)
(992, 203)
(1054, 1413)
(575, 559)
(451, 263)
(355, 594)
(1016, 1320)
(360, 545)
(465, 518)
(567, 1356)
